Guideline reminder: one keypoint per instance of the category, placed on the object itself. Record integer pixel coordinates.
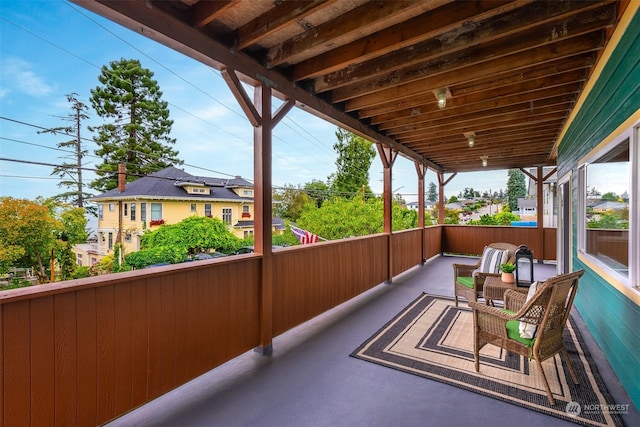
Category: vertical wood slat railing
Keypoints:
(470, 240)
(84, 352)
(312, 279)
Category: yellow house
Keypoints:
(167, 197)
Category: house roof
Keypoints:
(169, 183)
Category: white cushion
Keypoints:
(491, 259)
(528, 330)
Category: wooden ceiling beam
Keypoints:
(538, 55)
(521, 141)
(494, 83)
(485, 102)
(468, 119)
(514, 120)
(205, 12)
(497, 34)
(486, 134)
(283, 14)
(451, 17)
(355, 24)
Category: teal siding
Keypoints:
(612, 318)
(614, 98)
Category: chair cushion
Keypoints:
(513, 332)
(491, 260)
(465, 281)
(528, 330)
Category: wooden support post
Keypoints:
(260, 116)
(441, 184)
(421, 170)
(388, 157)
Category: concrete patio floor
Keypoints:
(310, 380)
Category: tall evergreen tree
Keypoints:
(355, 155)
(432, 192)
(137, 126)
(516, 188)
(71, 173)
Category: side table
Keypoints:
(494, 287)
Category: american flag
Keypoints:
(303, 235)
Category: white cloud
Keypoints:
(19, 76)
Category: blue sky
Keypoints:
(49, 49)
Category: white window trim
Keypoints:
(568, 178)
(631, 130)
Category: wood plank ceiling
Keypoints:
(511, 70)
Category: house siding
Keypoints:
(612, 318)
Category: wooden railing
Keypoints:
(609, 244)
(470, 240)
(86, 351)
(311, 279)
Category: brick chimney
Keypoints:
(122, 177)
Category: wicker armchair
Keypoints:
(468, 285)
(548, 308)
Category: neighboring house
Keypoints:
(527, 208)
(605, 206)
(549, 196)
(167, 197)
(87, 254)
(427, 205)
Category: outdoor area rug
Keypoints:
(434, 339)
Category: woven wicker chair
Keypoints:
(548, 308)
(468, 285)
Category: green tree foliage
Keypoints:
(432, 192)
(289, 202)
(194, 235)
(516, 188)
(340, 218)
(71, 173)
(138, 126)
(318, 190)
(355, 155)
(609, 197)
(156, 255)
(31, 230)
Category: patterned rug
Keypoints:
(434, 339)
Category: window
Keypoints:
(126, 209)
(79, 259)
(156, 211)
(110, 240)
(193, 207)
(112, 207)
(247, 193)
(248, 233)
(608, 228)
(245, 209)
(133, 212)
(226, 215)
(143, 211)
(207, 209)
(100, 211)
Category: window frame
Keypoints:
(225, 212)
(630, 132)
(152, 218)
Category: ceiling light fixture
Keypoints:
(442, 98)
(441, 95)
(471, 138)
(484, 160)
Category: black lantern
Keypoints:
(524, 266)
